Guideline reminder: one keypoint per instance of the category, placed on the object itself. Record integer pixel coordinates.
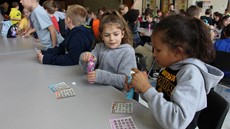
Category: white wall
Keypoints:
(218, 5)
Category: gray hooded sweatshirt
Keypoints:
(194, 80)
(112, 65)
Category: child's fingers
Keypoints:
(136, 90)
(145, 73)
(84, 57)
(126, 87)
(135, 70)
(91, 78)
(91, 74)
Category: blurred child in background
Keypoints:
(24, 23)
(15, 14)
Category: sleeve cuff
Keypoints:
(149, 94)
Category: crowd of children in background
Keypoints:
(147, 19)
(109, 38)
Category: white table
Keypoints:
(145, 32)
(28, 103)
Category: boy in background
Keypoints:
(50, 7)
(78, 40)
(149, 24)
(43, 25)
(15, 14)
(94, 23)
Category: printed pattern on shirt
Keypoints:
(166, 82)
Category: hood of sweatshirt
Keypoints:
(211, 74)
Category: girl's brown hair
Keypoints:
(114, 17)
(191, 34)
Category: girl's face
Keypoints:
(101, 12)
(149, 19)
(26, 12)
(159, 14)
(93, 16)
(112, 35)
(164, 56)
(125, 10)
(216, 18)
(226, 21)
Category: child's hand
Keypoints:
(86, 56)
(25, 35)
(142, 33)
(91, 76)
(126, 85)
(40, 56)
(22, 34)
(139, 81)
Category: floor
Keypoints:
(226, 124)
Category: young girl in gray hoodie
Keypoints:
(115, 56)
(182, 46)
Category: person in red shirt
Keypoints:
(50, 7)
(94, 23)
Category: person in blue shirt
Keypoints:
(224, 44)
(78, 40)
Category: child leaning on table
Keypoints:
(78, 40)
(182, 45)
(115, 56)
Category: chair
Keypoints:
(222, 61)
(212, 117)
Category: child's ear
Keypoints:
(179, 52)
(68, 19)
(123, 33)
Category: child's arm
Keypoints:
(28, 27)
(27, 33)
(53, 35)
